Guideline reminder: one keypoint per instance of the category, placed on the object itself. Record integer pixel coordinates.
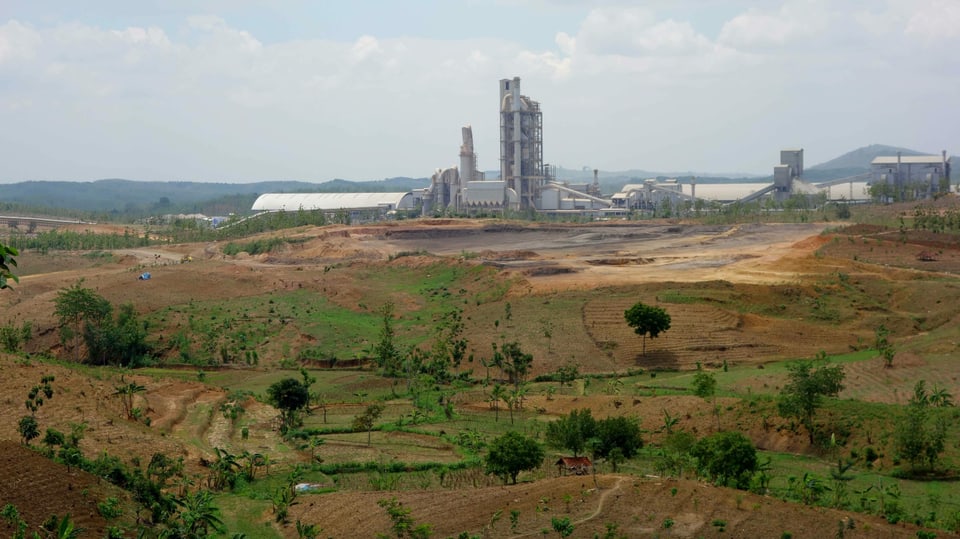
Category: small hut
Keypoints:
(574, 465)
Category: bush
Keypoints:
(727, 458)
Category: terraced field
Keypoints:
(706, 334)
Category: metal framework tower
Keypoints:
(521, 144)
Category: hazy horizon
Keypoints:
(247, 91)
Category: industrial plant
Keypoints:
(527, 185)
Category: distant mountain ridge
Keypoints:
(140, 198)
(862, 157)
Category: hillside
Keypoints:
(861, 158)
(746, 299)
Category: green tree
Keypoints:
(74, 306)
(119, 341)
(403, 524)
(619, 436)
(883, 346)
(726, 458)
(449, 346)
(368, 419)
(705, 387)
(387, 354)
(7, 261)
(290, 396)
(675, 453)
(28, 429)
(920, 440)
(807, 385)
(647, 320)
(562, 526)
(566, 374)
(511, 454)
(572, 431)
(516, 363)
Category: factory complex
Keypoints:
(528, 185)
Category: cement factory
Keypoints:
(528, 185)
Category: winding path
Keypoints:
(600, 505)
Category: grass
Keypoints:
(915, 496)
(235, 512)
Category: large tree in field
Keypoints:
(291, 396)
(647, 320)
(513, 453)
(807, 385)
(77, 305)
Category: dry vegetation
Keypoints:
(741, 296)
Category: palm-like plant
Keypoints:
(224, 470)
(199, 515)
(940, 397)
(126, 392)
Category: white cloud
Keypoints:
(759, 28)
(620, 87)
(937, 20)
(632, 31)
(17, 42)
(365, 47)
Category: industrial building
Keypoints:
(921, 175)
(358, 205)
(528, 185)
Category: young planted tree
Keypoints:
(516, 363)
(403, 524)
(386, 352)
(921, 435)
(562, 526)
(28, 427)
(368, 419)
(883, 346)
(705, 387)
(567, 373)
(449, 347)
(647, 320)
(511, 454)
(803, 394)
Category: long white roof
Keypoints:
(909, 160)
(331, 201)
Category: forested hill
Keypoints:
(134, 198)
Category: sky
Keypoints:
(250, 90)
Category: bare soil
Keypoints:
(541, 261)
